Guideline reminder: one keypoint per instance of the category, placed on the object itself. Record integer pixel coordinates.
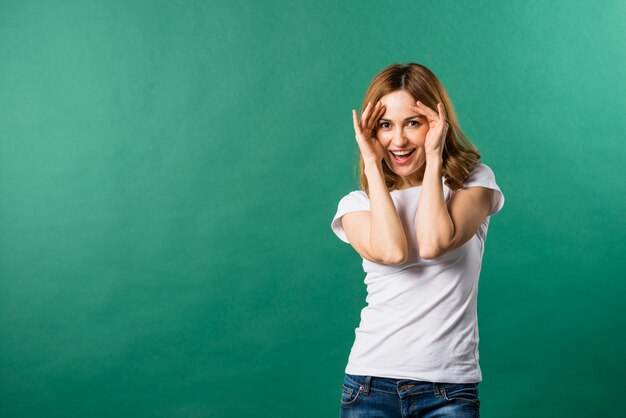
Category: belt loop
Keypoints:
(436, 389)
(367, 385)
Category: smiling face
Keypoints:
(402, 133)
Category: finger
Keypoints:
(431, 113)
(426, 110)
(381, 112)
(366, 111)
(435, 120)
(443, 118)
(376, 115)
(421, 111)
(442, 111)
(355, 121)
(383, 109)
(367, 121)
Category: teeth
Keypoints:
(401, 153)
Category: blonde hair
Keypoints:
(459, 154)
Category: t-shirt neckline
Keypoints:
(408, 188)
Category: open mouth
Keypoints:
(402, 156)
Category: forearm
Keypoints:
(387, 237)
(433, 224)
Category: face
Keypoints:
(401, 130)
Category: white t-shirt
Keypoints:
(420, 321)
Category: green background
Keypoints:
(169, 171)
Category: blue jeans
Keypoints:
(370, 396)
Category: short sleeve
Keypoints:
(352, 202)
(483, 176)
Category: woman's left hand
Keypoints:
(437, 128)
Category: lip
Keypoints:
(404, 160)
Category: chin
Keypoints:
(405, 172)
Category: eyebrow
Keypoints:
(405, 119)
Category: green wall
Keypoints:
(169, 171)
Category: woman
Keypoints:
(419, 223)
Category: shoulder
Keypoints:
(356, 198)
(352, 202)
(483, 176)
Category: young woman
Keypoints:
(419, 223)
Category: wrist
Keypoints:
(434, 159)
(373, 168)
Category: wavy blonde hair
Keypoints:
(459, 154)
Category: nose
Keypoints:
(399, 140)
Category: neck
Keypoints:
(413, 180)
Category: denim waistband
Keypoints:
(399, 386)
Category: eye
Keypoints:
(414, 123)
(384, 125)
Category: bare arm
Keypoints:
(442, 227)
(376, 235)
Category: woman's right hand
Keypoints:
(371, 150)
